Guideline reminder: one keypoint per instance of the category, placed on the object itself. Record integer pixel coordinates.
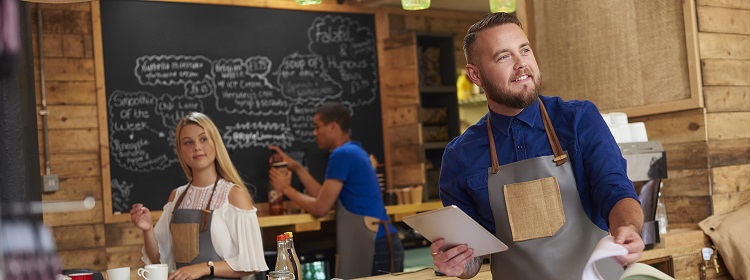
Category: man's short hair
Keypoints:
(490, 20)
(335, 112)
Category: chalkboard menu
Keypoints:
(258, 73)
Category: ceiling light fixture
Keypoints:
(413, 5)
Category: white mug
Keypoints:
(121, 273)
(154, 272)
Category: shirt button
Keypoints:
(519, 147)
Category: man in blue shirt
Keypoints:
(350, 178)
(544, 175)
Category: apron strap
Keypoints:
(560, 156)
(493, 152)
(206, 211)
(554, 142)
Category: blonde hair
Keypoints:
(224, 165)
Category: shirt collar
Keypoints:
(527, 116)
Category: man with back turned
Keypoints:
(543, 174)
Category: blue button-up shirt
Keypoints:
(598, 165)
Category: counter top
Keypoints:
(301, 219)
(429, 274)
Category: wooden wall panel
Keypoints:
(725, 72)
(679, 127)
(79, 237)
(723, 203)
(406, 135)
(70, 117)
(76, 188)
(722, 45)
(724, 126)
(403, 115)
(74, 165)
(729, 152)
(123, 234)
(406, 154)
(68, 93)
(686, 182)
(727, 98)
(67, 69)
(730, 179)
(687, 209)
(123, 256)
(725, 3)
(408, 175)
(95, 259)
(691, 155)
(93, 216)
(723, 20)
(71, 141)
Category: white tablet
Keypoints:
(453, 225)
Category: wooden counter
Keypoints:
(307, 222)
(429, 274)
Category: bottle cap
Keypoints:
(289, 233)
(281, 237)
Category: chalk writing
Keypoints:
(169, 70)
(121, 195)
(257, 134)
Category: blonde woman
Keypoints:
(209, 228)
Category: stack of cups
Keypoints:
(625, 132)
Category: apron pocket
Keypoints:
(534, 208)
(185, 242)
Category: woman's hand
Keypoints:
(190, 272)
(292, 164)
(141, 217)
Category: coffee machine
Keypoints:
(647, 166)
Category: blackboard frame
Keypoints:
(102, 93)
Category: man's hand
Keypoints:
(457, 261)
(632, 241)
(279, 180)
(292, 164)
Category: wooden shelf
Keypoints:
(437, 89)
(474, 100)
(435, 145)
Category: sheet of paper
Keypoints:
(606, 248)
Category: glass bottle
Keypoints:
(282, 255)
(275, 198)
(661, 216)
(296, 266)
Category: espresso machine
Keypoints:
(647, 166)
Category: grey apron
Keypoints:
(194, 220)
(554, 243)
(355, 243)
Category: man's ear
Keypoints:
(473, 73)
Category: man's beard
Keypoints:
(518, 101)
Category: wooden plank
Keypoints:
(74, 165)
(692, 155)
(726, 202)
(67, 69)
(687, 209)
(76, 188)
(729, 179)
(68, 93)
(726, 72)
(721, 45)
(687, 266)
(399, 86)
(727, 98)
(678, 127)
(125, 256)
(408, 175)
(724, 126)
(402, 115)
(686, 182)
(80, 6)
(93, 216)
(725, 3)
(71, 141)
(123, 234)
(728, 152)
(407, 154)
(74, 45)
(53, 44)
(69, 117)
(66, 21)
(95, 259)
(79, 237)
(406, 135)
(724, 20)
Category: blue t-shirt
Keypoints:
(597, 163)
(361, 192)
